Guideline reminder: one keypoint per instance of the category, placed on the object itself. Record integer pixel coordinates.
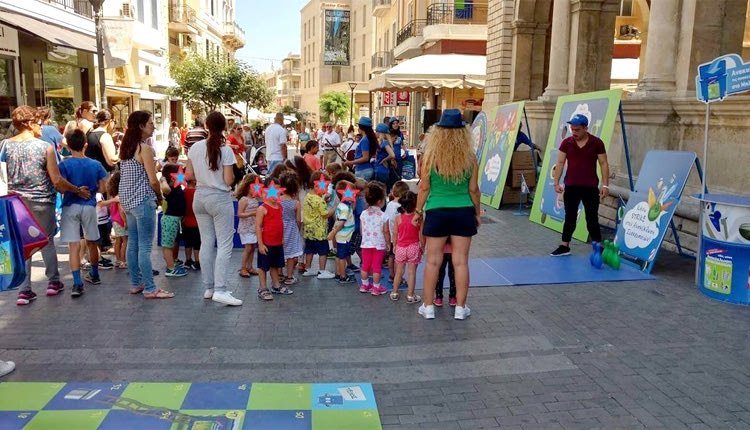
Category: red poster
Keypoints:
(387, 98)
(402, 98)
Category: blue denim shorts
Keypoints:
(319, 247)
(342, 250)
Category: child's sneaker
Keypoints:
(347, 279)
(176, 272)
(353, 268)
(91, 279)
(324, 274)
(438, 302)
(461, 312)
(428, 312)
(54, 288)
(188, 264)
(332, 254)
(309, 272)
(365, 287)
(378, 291)
(25, 297)
(178, 262)
(452, 301)
(196, 265)
(77, 290)
(105, 264)
(284, 291)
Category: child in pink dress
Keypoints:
(409, 243)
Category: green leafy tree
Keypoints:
(204, 82)
(335, 106)
(254, 91)
(291, 110)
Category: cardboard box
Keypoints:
(513, 196)
(522, 160)
(514, 178)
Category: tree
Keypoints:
(254, 91)
(207, 83)
(291, 110)
(335, 106)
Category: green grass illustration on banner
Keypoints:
(600, 108)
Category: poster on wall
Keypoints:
(479, 134)
(402, 98)
(501, 125)
(336, 43)
(388, 98)
(118, 41)
(651, 205)
(600, 108)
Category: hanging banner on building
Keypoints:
(600, 108)
(388, 99)
(501, 129)
(118, 41)
(336, 43)
(402, 98)
(8, 41)
(646, 217)
(722, 77)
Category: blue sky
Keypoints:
(272, 30)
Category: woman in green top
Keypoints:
(449, 201)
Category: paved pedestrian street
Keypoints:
(655, 354)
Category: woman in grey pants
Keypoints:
(211, 162)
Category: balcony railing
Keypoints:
(181, 13)
(379, 3)
(412, 29)
(232, 29)
(382, 60)
(445, 13)
(81, 7)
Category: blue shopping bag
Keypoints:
(12, 264)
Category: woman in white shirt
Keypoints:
(211, 163)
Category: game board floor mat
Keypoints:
(186, 406)
(535, 270)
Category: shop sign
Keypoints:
(402, 98)
(388, 98)
(8, 41)
(118, 41)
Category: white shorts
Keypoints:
(76, 217)
(248, 238)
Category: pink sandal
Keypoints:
(158, 294)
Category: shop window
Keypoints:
(59, 87)
(8, 99)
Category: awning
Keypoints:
(53, 34)
(144, 94)
(438, 71)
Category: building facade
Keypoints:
(290, 78)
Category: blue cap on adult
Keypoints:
(451, 118)
(382, 128)
(579, 119)
(393, 119)
(365, 121)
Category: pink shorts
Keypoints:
(372, 260)
(409, 254)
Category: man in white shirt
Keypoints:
(328, 144)
(276, 139)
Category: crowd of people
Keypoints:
(320, 204)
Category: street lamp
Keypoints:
(97, 5)
(352, 85)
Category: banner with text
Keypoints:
(336, 46)
(646, 217)
(600, 108)
(118, 41)
(722, 77)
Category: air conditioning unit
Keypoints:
(127, 10)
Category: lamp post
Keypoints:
(97, 5)
(352, 85)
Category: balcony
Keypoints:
(81, 7)
(380, 7)
(381, 61)
(289, 72)
(451, 22)
(182, 18)
(409, 40)
(234, 35)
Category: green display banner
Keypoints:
(495, 133)
(600, 108)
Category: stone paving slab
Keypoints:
(654, 354)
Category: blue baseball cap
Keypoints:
(382, 128)
(394, 119)
(365, 121)
(579, 119)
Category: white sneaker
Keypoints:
(209, 293)
(326, 275)
(310, 272)
(461, 312)
(6, 367)
(226, 298)
(428, 312)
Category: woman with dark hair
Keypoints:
(33, 173)
(384, 156)
(101, 147)
(211, 163)
(50, 133)
(140, 193)
(85, 117)
(362, 166)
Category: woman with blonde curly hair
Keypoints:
(448, 200)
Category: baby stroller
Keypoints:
(257, 157)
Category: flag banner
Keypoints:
(336, 48)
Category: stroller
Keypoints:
(257, 165)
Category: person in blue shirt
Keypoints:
(79, 213)
(361, 163)
(522, 138)
(384, 158)
(50, 133)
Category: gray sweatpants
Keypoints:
(214, 211)
(45, 215)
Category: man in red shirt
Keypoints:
(582, 151)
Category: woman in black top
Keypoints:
(101, 147)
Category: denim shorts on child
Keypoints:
(273, 258)
(75, 218)
(444, 222)
(342, 250)
(248, 238)
(170, 227)
(191, 236)
(409, 254)
(316, 247)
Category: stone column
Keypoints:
(592, 25)
(559, 55)
(661, 50)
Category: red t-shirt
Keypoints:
(313, 162)
(582, 161)
(233, 140)
(273, 226)
(189, 218)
